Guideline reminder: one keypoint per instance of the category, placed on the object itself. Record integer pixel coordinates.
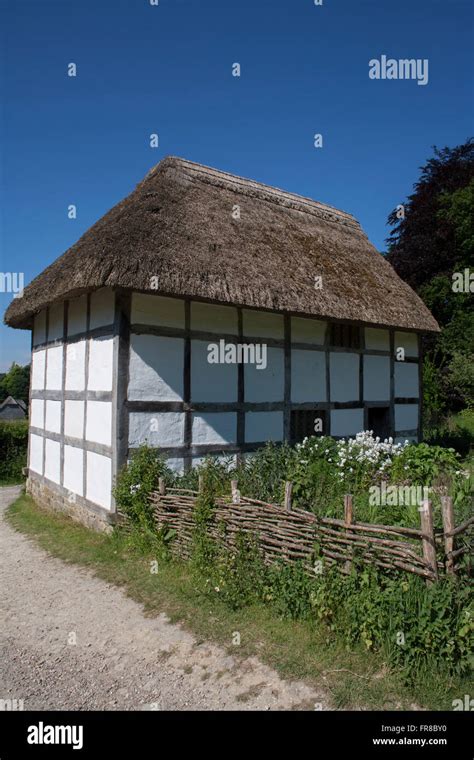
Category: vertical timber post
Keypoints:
(235, 492)
(428, 540)
(448, 527)
(288, 490)
(348, 519)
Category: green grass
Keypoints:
(351, 679)
(456, 431)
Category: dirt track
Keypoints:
(121, 659)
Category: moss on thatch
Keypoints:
(179, 226)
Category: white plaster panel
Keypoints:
(406, 380)
(263, 426)
(262, 324)
(156, 368)
(38, 363)
(157, 310)
(376, 378)
(101, 352)
(76, 366)
(346, 422)
(74, 418)
(211, 382)
(77, 315)
(99, 479)
(37, 413)
(407, 341)
(99, 422)
(52, 421)
(176, 464)
(39, 329)
(56, 321)
(307, 331)
(214, 428)
(377, 340)
(54, 368)
(406, 417)
(344, 376)
(73, 469)
(212, 318)
(156, 428)
(308, 375)
(102, 308)
(36, 453)
(52, 461)
(266, 384)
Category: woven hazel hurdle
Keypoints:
(292, 534)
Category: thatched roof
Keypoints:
(178, 225)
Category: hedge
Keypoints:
(13, 449)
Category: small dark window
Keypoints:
(379, 421)
(344, 336)
(307, 422)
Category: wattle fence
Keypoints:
(289, 534)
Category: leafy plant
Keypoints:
(136, 481)
(13, 449)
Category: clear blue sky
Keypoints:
(167, 69)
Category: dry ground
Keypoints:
(69, 640)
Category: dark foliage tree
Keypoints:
(431, 243)
(423, 243)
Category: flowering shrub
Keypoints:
(365, 459)
(326, 467)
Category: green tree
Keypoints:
(433, 241)
(427, 240)
(16, 383)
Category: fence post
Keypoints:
(428, 541)
(448, 527)
(201, 483)
(348, 509)
(235, 492)
(348, 519)
(288, 490)
(161, 486)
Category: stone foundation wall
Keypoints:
(50, 497)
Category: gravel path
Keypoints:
(121, 660)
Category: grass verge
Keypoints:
(298, 650)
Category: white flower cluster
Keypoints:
(363, 450)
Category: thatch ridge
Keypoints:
(177, 225)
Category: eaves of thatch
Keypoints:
(188, 230)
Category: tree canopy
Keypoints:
(16, 383)
(429, 247)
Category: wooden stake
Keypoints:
(428, 540)
(161, 486)
(201, 483)
(288, 490)
(348, 509)
(448, 527)
(348, 518)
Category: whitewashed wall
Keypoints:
(65, 424)
(157, 369)
(72, 411)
